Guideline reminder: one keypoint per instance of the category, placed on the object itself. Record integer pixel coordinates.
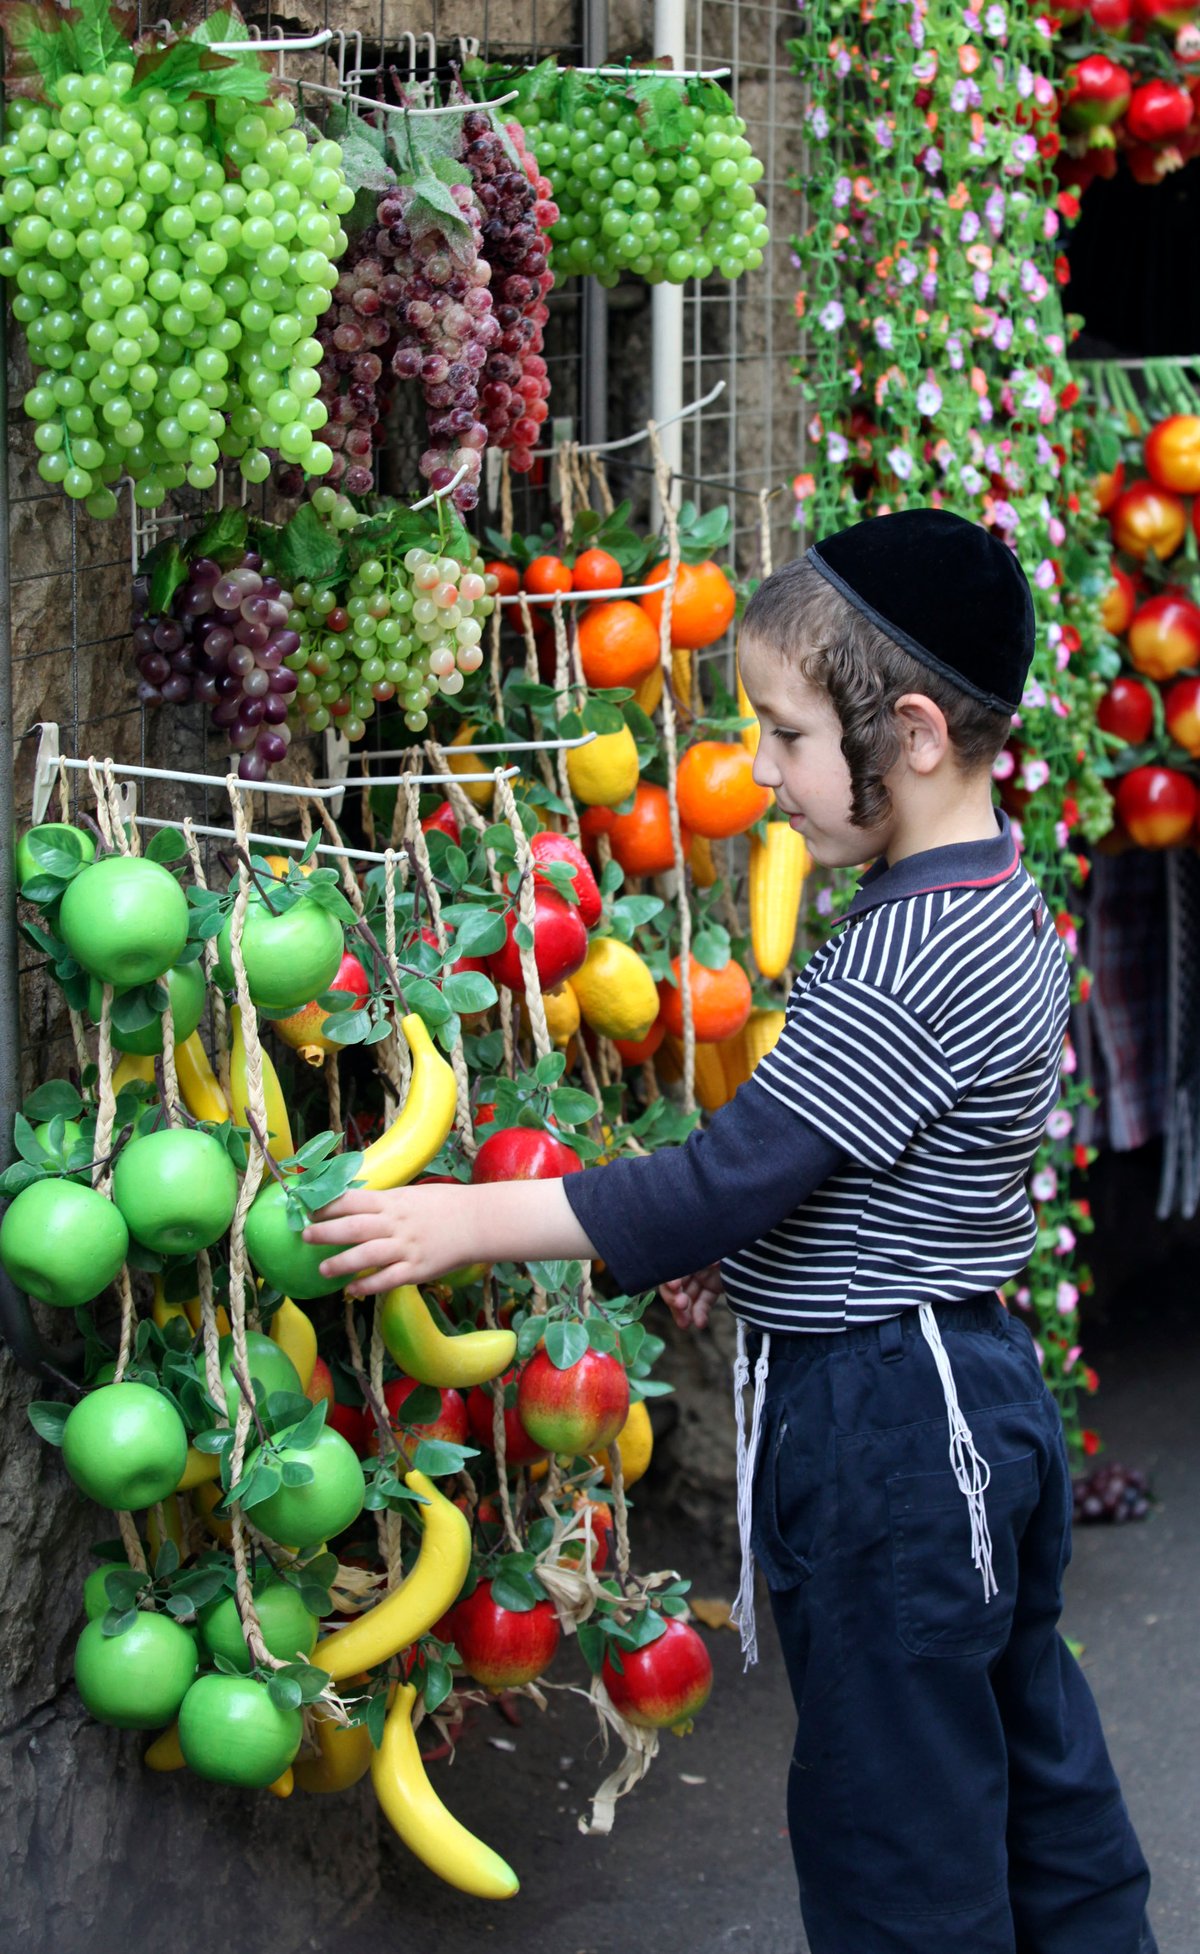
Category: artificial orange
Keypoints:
(718, 794)
(597, 570)
(618, 644)
(635, 1051)
(508, 581)
(545, 575)
(702, 607)
(641, 840)
(721, 1001)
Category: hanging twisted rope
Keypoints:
(662, 479)
(458, 1060)
(526, 914)
(220, 1016)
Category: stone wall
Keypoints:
(100, 1854)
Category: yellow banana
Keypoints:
(712, 1087)
(198, 1083)
(410, 1610)
(200, 1466)
(174, 1525)
(762, 1035)
(294, 1333)
(424, 1120)
(164, 1753)
(778, 867)
(422, 1349)
(345, 1756)
(279, 1145)
(283, 1784)
(204, 1497)
(701, 863)
(163, 1311)
(749, 735)
(648, 691)
(130, 1066)
(479, 791)
(411, 1805)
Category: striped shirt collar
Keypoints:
(960, 865)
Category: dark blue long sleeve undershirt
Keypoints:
(669, 1213)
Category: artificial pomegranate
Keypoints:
(301, 1030)
(577, 1410)
(450, 1423)
(663, 1685)
(497, 1646)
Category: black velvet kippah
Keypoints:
(945, 590)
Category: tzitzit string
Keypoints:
(742, 1612)
(662, 479)
(420, 850)
(971, 1472)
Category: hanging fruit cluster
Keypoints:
(172, 238)
(1128, 81)
(1147, 489)
(650, 173)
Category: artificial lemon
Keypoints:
(617, 995)
(605, 771)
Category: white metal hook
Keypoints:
(631, 440)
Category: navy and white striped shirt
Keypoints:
(878, 1157)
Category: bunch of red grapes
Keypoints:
(357, 334)
(223, 642)
(1115, 1493)
(517, 212)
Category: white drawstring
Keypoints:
(971, 1472)
(742, 1612)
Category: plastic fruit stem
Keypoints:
(369, 937)
(244, 1386)
(387, 1432)
(242, 855)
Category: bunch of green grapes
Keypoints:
(628, 203)
(171, 258)
(406, 627)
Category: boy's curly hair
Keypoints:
(798, 613)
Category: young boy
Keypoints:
(858, 1202)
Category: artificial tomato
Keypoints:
(1173, 454)
(1164, 637)
(1098, 92)
(1127, 710)
(1157, 806)
(1181, 709)
(1158, 111)
(1120, 600)
(1148, 521)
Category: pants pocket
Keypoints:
(778, 1512)
(940, 1605)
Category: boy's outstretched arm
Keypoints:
(415, 1234)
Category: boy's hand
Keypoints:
(691, 1299)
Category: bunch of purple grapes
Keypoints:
(1115, 1493)
(515, 385)
(445, 328)
(358, 334)
(223, 642)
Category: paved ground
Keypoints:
(705, 1866)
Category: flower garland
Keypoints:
(936, 367)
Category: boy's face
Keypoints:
(800, 757)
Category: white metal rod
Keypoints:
(631, 440)
(270, 841)
(282, 44)
(344, 94)
(439, 495)
(588, 596)
(285, 787)
(493, 746)
(617, 68)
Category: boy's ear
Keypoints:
(924, 735)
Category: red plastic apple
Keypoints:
(499, 1647)
(549, 847)
(450, 1423)
(663, 1685)
(560, 942)
(577, 1410)
(523, 1153)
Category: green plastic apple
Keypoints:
(231, 1731)
(303, 1516)
(279, 1254)
(177, 1190)
(125, 1446)
(96, 1603)
(62, 1242)
(290, 958)
(187, 989)
(289, 1630)
(138, 1679)
(125, 919)
(270, 1367)
(59, 834)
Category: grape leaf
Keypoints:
(98, 41)
(189, 69)
(168, 571)
(225, 533)
(306, 550)
(39, 38)
(219, 27)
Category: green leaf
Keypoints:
(633, 1336)
(436, 1457)
(285, 1692)
(97, 40)
(166, 1561)
(48, 1419)
(479, 934)
(468, 990)
(592, 1644)
(515, 1591)
(305, 549)
(566, 1343)
(529, 1336)
(138, 1009)
(601, 1335)
(296, 1473)
(439, 1681)
(549, 1069)
(572, 1107)
(552, 1276)
(167, 845)
(168, 572)
(191, 69)
(55, 858)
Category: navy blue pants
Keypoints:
(950, 1791)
